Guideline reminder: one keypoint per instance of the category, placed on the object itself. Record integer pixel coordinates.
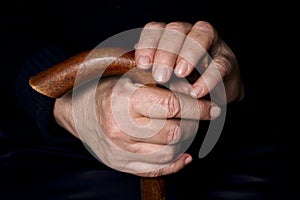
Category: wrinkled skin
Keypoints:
(143, 130)
(177, 47)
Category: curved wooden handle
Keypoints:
(85, 66)
(59, 79)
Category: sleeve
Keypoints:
(38, 106)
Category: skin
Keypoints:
(168, 52)
(165, 117)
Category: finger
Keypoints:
(179, 164)
(144, 163)
(197, 109)
(172, 133)
(171, 168)
(154, 102)
(169, 133)
(152, 153)
(168, 48)
(166, 145)
(147, 44)
(161, 103)
(195, 46)
(181, 86)
(221, 65)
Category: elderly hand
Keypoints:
(146, 130)
(134, 128)
(179, 47)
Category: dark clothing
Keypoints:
(40, 160)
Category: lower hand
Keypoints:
(134, 128)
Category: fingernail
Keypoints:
(188, 160)
(144, 62)
(161, 74)
(196, 91)
(215, 111)
(181, 68)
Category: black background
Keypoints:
(256, 33)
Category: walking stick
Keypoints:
(153, 188)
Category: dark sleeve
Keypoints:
(31, 41)
(38, 106)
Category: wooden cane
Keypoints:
(85, 66)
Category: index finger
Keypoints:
(161, 103)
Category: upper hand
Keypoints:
(178, 47)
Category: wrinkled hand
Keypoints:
(145, 130)
(179, 47)
(134, 128)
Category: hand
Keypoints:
(179, 47)
(134, 128)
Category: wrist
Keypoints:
(63, 113)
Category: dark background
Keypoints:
(254, 128)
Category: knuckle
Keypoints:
(176, 26)
(204, 26)
(174, 134)
(222, 65)
(115, 135)
(154, 25)
(172, 105)
(168, 154)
